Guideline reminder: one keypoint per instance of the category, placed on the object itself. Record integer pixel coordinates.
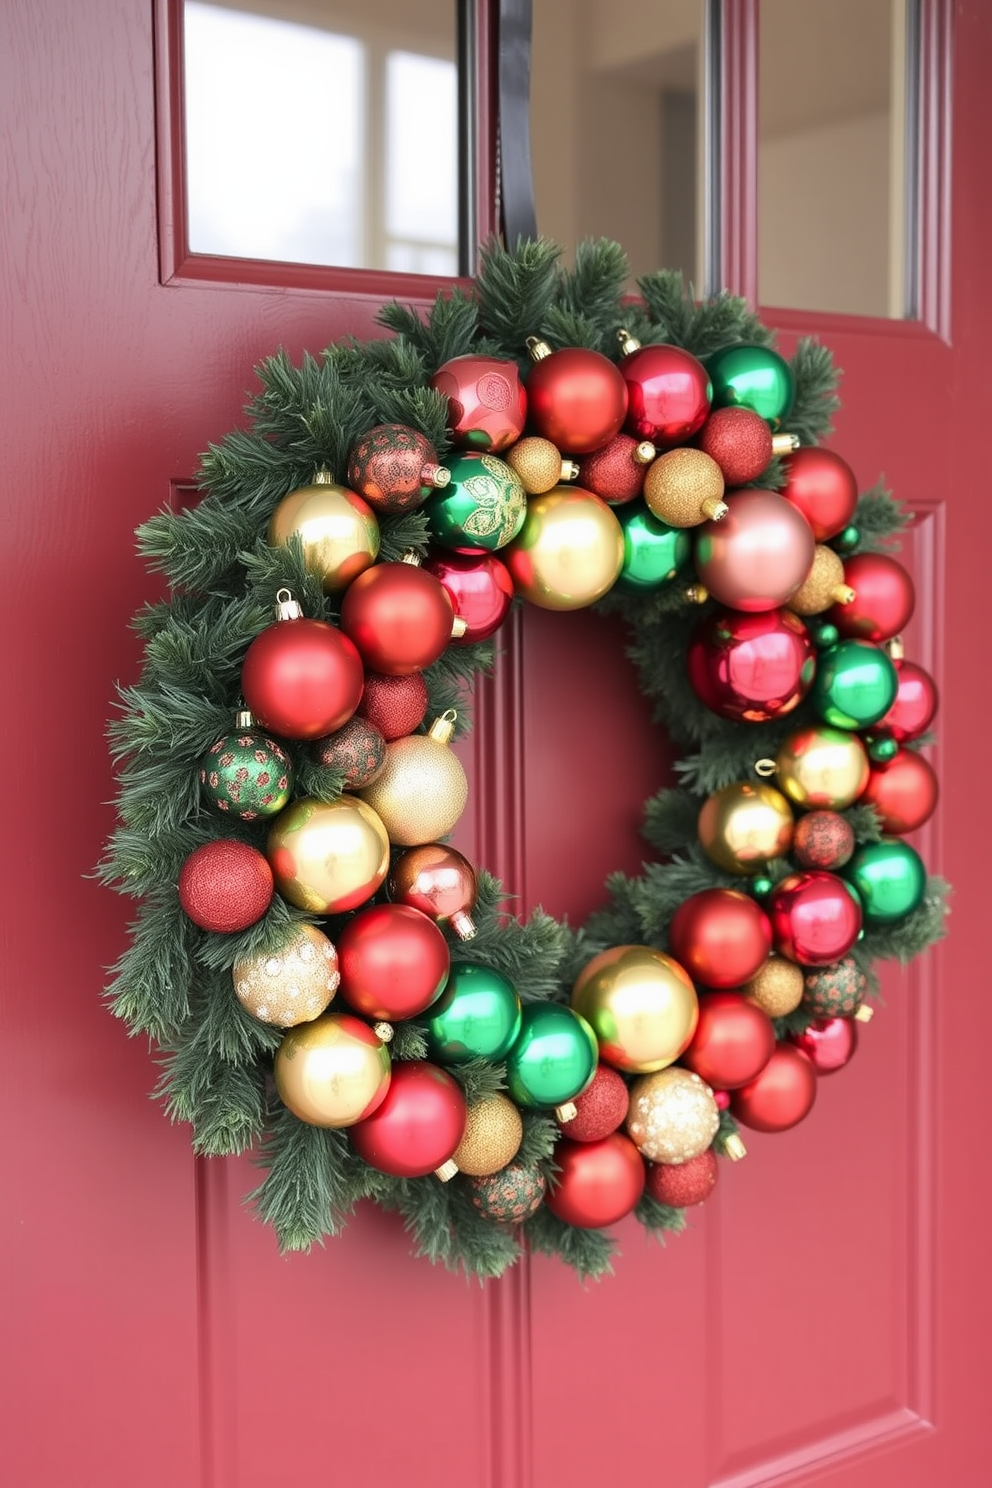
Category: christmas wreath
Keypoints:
(326, 979)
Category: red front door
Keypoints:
(824, 1317)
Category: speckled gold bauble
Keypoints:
(492, 1137)
(422, 789)
(332, 1072)
(538, 465)
(673, 1115)
(823, 586)
(338, 529)
(641, 1004)
(685, 487)
(743, 825)
(821, 767)
(292, 984)
(569, 551)
(777, 988)
(328, 856)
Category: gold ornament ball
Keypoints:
(673, 1115)
(641, 1004)
(537, 464)
(421, 790)
(823, 586)
(820, 766)
(743, 825)
(777, 988)
(339, 531)
(328, 856)
(292, 984)
(332, 1072)
(684, 487)
(493, 1134)
(569, 551)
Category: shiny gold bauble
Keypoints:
(777, 988)
(820, 766)
(823, 586)
(673, 1115)
(743, 825)
(292, 984)
(641, 1004)
(339, 531)
(332, 1072)
(493, 1134)
(538, 465)
(685, 487)
(421, 791)
(328, 856)
(569, 551)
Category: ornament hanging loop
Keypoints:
(765, 768)
(287, 608)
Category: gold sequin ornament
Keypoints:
(777, 988)
(823, 586)
(422, 789)
(673, 1115)
(493, 1134)
(684, 487)
(538, 464)
(291, 985)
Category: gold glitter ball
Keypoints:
(493, 1134)
(420, 792)
(823, 586)
(673, 1115)
(291, 985)
(684, 487)
(777, 988)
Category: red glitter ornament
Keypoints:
(815, 918)
(575, 397)
(823, 839)
(720, 936)
(733, 1041)
(884, 598)
(781, 1095)
(597, 1182)
(480, 588)
(395, 705)
(740, 442)
(393, 960)
(487, 404)
(225, 886)
(668, 392)
(829, 1044)
(903, 791)
(394, 468)
(680, 1185)
(399, 616)
(301, 678)
(751, 668)
(821, 485)
(616, 472)
(915, 704)
(600, 1109)
(418, 1125)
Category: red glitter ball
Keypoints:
(225, 886)
(396, 705)
(823, 839)
(600, 1109)
(681, 1185)
(740, 442)
(614, 472)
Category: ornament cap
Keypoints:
(383, 1031)
(287, 608)
(446, 1171)
(784, 444)
(644, 453)
(443, 728)
(697, 594)
(244, 718)
(569, 470)
(435, 475)
(843, 594)
(864, 1014)
(566, 1112)
(896, 648)
(628, 343)
(463, 925)
(458, 627)
(713, 508)
(322, 477)
(734, 1147)
(538, 349)
(412, 558)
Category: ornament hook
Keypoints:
(765, 768)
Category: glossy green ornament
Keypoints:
(653, 552)
(823, 635)
(477, 1016)
(761, 887)
(754, 377)
(554, 1057)
(855, 684)
(246, 774)
(882, 750)
(847, 541)
(481, 509)
(890, 878)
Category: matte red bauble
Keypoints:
(394, 962)
(225, 886)
(302, 678)
(915, 705)
(487, 405)
(480, 588)
(758, 555)
(781, 1095)
(575, 397)
(419, 1124)
(668, 392)
(395, 705)
(597, 1182)
(884, 598)
(751, 668)
(823, 487)
(830, 1044)
(720, 936)
(616, 472)
(815, 918)
(903, 791)
(740, 442)
(399, 616)
(823, 839)
(734, 1039)
(600, 1109)
(680, 1185)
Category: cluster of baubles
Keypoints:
(589, 475)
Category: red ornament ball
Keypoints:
(751, 668)
(668, 394)
(225, 886)
(394, 468)
(915, 704)
(829, 1044)
(903, 791)
(720, 936)
(815, 917)
(394, 705)
(487, 404)
(480, 589)
(616, 472)
(740, 442)
(576, 398)
(823, 839)
(781, 1095)
(884, 599)
(600, 1109)
(302, 678)
(393, 960)
(680, 1185)
(821, 485)
(597, 1182)
(399, 616)
(358, 752)
(418, 1125)
(733, 1041)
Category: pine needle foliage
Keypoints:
(173, 982)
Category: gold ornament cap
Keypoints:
(384, 1031)
(566, 1112)
(784, 444)
(734, 1147)
(569, 470)
(322, 477)
(414, 559)
(446, 1171)
(287, 608)
(435, 475)
(628, 343)
(538, 349)
(244, 718)
(896, 648)
(442, 729)
(864, 1014)
(644, 453)
(697, 594)
(463, 925)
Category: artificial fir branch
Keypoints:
(659, 1219)
(592, 291)
(516, 290)
(309, 1188)
(589, 1252)
(816, 399)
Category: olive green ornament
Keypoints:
(481, 509)
(653, 552)
(755, 377)
(477, 1016)
(554, 1057)
(855, 684)
(890, 878)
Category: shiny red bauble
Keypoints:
(751, 668)
(823, 839)
(740, 442)
(915, 704)
(480, 589)
(823, 487)
(395, 705)
(781, 1095)
(903, 791)
(829, 1044)
(302, 678)
(616, 472)
(733, 1041)
(600, 1109)
(393, 960)
(720, 936)
(597, 1182)
(576, 398)
(225, 886)
(419, 1124)
(399, 616)
(487, 405)
(815, 918)
(884, 598)
(680, 1185)
(668, 394)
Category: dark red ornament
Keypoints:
(394, 468)
(740, 442)
(487, 404)
(597, 1182)
(751, 668)
(823, 839)
(720, 937)
(480, 588)
(225, 886)
(418, 1125)
(734, 1039)
(575, 397)
(358, 752)
(393, 960)
(903, 791)
(395, 705)
(815, 917)
(824, 488)
(668, 392)
(781, 1095)
(399, 616)
(616, 472)
(680, 1185)
(884, 599)
(600, 1109)
(829, 1044)
(915, 705)
(302, 678)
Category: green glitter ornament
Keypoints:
(246, 774)
(855, 685)
(653, 552)
(477, 1016)
(481, 509)
(754, 377)
(890, 878)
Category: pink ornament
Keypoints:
(830, 1044)
(480, 588)
(751, 668)
(757, 556)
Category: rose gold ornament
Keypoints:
(291, 984)
(440, 882)
(757, 557)
(338, 530)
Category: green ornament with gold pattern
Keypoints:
(481, 509)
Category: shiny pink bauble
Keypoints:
(481, 591)
(418, 1125)
(781, 1095)
(668, 394)
(757, 556)
(487, 404)
(751, 668)
(576, 398)
(820, 484)
(903, 791)
(597, 1183)
(720, 936)
(915, 704)
(815, 918)
(884, 599)
(830, 1044)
